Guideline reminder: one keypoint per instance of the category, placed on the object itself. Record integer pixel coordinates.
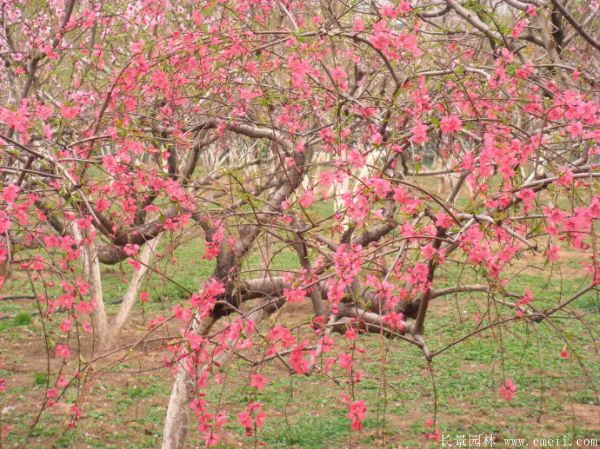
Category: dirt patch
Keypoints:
(586, 413)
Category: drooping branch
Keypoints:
(176, 421)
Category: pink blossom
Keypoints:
(507, 390)
(297, 360)
(346, 361)
(63, 351)
(358, 25)
(435, 435)
(518, 28)
(294, 295)
(340, 77)
(525, 71)
(527, 196)
(258, 381)
(376, 138)
(205, 300)
(419, 133)
(553, 253)
(450, 124)
(282, 335)
(253, 417)
(66, 325)
(306, 199)
(444, 220)
(69, 112)
(136, 265)
(10, 192)
(394, 321)
(62, 381)
(357, 411)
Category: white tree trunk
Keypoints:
(132, 292)
(93, 276)
(176, 422)
(95, 280)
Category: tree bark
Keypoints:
(93, 276)
(176, 422)
(132, 292)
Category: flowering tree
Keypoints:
(125, 124)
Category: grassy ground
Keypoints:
(125, 400)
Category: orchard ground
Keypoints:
(125, 400)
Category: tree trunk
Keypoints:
(176, 422)
(93, 276)
(99, 320)
(132, 292)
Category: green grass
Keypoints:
(21, 319)
(307, 412)
(40, 379)
(306, 432)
